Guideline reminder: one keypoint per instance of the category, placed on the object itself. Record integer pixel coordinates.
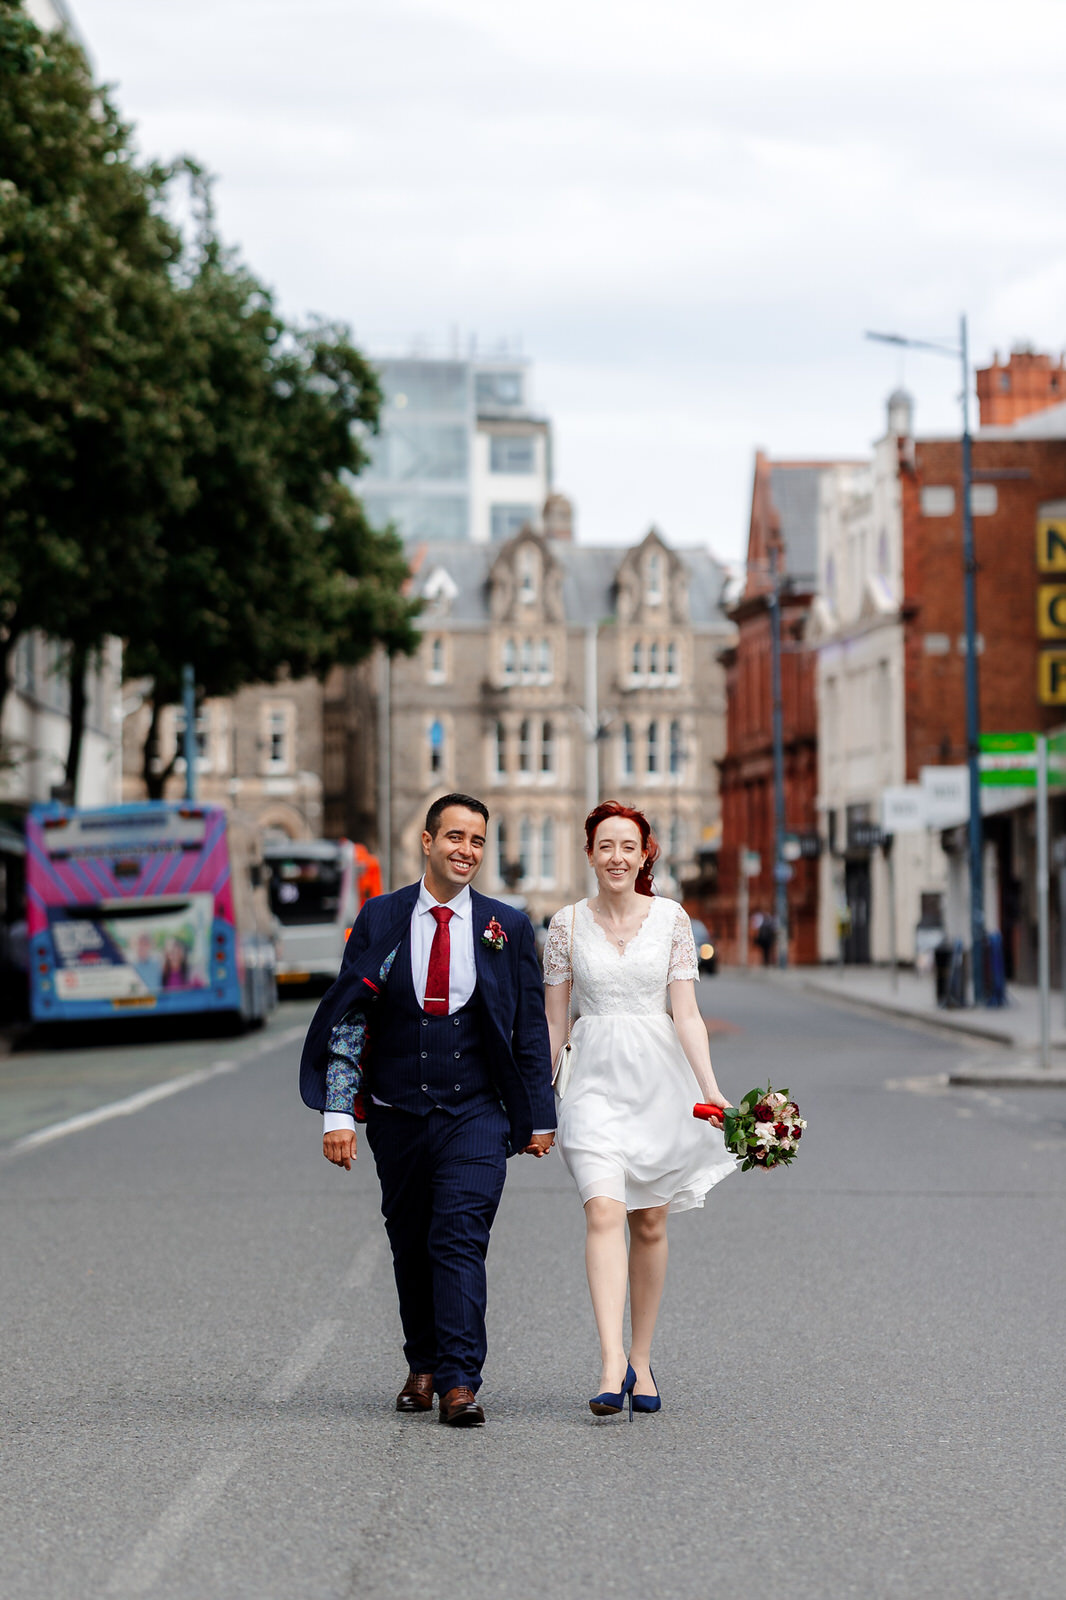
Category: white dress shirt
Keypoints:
(462, 972)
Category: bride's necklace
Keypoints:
(620, 942)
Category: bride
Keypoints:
(626, 1130)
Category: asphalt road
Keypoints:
(860, 1358)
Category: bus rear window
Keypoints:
(304, 890)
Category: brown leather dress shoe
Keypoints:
(459, 1409)
(417, 1393)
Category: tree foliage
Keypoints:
(175, 462)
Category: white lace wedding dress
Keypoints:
(626, 1128)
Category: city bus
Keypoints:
(317, 888)
(155, 907)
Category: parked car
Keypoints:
(705, 948)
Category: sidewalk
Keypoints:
(911, 996)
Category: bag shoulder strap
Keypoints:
(570, 997)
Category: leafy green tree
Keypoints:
(175, 463)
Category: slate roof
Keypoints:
(795, 494)
(589, 573)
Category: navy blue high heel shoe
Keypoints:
(608, 1404)
(646, 1402)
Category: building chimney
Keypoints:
(558, 518)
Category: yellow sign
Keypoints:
(1051, 678)
(1051, 544)
(1051, 611)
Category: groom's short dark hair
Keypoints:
(437, 809)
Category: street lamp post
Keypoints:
(960, 352)
(782, 869)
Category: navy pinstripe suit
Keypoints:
(465, 1091)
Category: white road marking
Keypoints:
(302, 1362)
(141, 1570)
(148, 1097)
(366, 1260)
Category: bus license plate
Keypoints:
(138, 1001)
(294, 977)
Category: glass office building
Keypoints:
(459, 455)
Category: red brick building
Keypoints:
(1029, 382)
(1019, 504)
(784, 510)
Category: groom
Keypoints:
(456, 1077)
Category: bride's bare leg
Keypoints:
(606, 1265)
(648, 1251)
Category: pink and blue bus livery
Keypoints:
(158, 906)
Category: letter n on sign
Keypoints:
(1051, 678)
(1051, 544)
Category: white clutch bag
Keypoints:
(563, 1069)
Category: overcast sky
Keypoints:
(687, 212)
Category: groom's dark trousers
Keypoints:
(440, 1147)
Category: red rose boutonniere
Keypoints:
(494, 936)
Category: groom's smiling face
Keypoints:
(453, 854)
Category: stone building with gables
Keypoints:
(549, 676)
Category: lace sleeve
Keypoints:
(683, 960)
(557, 949)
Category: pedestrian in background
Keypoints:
(456, 1076)
(626, 1129)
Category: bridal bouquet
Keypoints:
(762, 1131)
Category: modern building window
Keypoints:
(498, 389)
(545, 662)
(628, 753)
(525, 746)
(653, 659)
(508, 453)
(655, 578)
(654, 758)
(677, 749)
(500, 748)
(636, 663)
(420, 516)
(407, 451)
(547, 852)
(510, 660)
(507, 520)
(436, 746)
(528, 673)
(547, 747)
(525, 846)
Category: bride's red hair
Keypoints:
(649, 844)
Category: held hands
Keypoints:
(539, 1145)
(339, 1147)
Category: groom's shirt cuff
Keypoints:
(334, 1121)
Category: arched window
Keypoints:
(527, 570)
(525, 846)
(677, 749)
(545, 661)
(525, 743)
(636, 665)
(527, 660)
(628, 750)
(436, 745)
(547, 851)
(510, 658)
(501, 749)
(653, 748)
(547, 747)
(671, 659)
(436, 660)
(653, 659)
(655, 578)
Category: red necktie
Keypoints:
(440, 956)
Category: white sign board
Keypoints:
(903, 809)
(947, 796)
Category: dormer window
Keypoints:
(655, 578)
(527, 575)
